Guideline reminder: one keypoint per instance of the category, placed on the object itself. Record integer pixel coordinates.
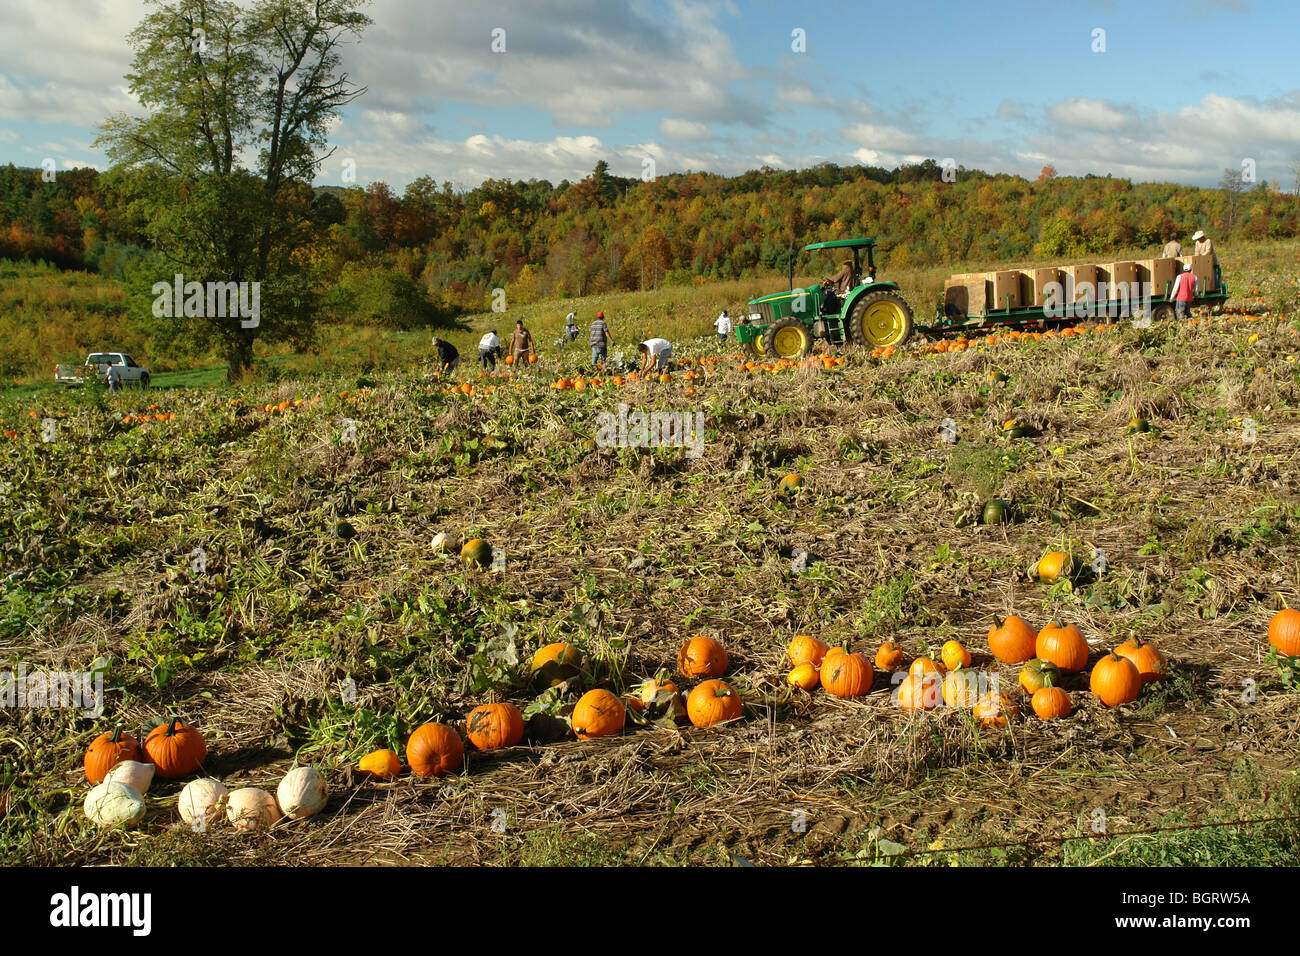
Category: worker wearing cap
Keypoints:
(1184, 292)
(599, 339)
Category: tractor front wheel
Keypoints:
(788, 338)
(754, 349)
(879, 320)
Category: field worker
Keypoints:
(656, 352)
(113, 376)
(600, 340)
(1204, 247)
(723, 324)
(521, 344)
(842, 281)
(487, 350)
(448, 355)
(1183, 292)
(1172, 250)
(571, 325)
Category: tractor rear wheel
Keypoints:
(880, 319)
(787, 338)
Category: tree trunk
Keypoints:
(239, 356)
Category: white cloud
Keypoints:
(1093, 114)
(671, 128)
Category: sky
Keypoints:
(1152, 91)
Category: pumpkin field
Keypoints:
(401, 618)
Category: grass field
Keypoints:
(325, 625)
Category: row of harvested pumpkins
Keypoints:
(436, 749)
(122, 771)
(1046, 655)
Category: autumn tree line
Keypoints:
(408, 260)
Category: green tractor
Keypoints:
(870, 313)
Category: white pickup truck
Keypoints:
(96, 367)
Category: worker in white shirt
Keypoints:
(723, 324)
(487, 350)
(571, 325)
(1172, 250)
(655, 352)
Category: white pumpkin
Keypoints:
(249, 808)
(133, 773)
(440, 542)
(202, 801)
(301, 793)
(113, 804)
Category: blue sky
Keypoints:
(1179, 92)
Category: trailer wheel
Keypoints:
(1164, 312)
(879, 320)
(1216, 309)
(787, 338)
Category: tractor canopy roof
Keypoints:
(840, 244)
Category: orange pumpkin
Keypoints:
(806, 650)
(1051, 702)
(510, 360)
(532, 359)
(1063, 646)
(920, 691)
(1012, 640)
(433, 750)
(493, 726)
(702, 657)
(889, 656)
(805, 676)
(598, 713)
(923, 666)
(108, 750)
(712, 702)
(175, 749)
(657, 695)
(954, 655)
(847, 675)
(1115, 680)
(1150, 663)
(1284, 632)
(383, 764)
(995, 710)
(555, 663)
(1053, 566)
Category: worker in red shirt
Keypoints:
(1183, 292)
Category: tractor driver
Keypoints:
(842, 281)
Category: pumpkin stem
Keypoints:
(172, 725)
(998, 622)
(117, 734)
